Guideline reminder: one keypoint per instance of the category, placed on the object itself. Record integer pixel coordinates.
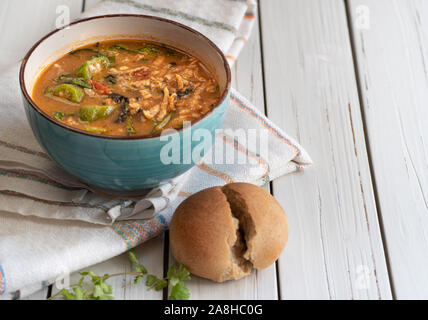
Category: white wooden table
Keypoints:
(349, 80)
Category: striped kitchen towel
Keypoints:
(227, 23)
(51, 224)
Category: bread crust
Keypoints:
(202, 233)
(205, 231)
(270, 236)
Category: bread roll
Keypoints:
(221, 233)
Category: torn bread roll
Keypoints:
(222, 233)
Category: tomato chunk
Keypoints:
(141, 74)
(100, 88)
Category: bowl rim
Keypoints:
(103, 136)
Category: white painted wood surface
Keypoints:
(151, 256)
(23, 22)
(311, 91)
(392, 55)
(335, 247)
(39, 295)
(247, 78)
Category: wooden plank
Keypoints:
(392, 55)
(91, 3)
(247, 78)
(150, 254)
(39, 295)
(335, 248)
(22, 25)
(18, 20)
(24, 22)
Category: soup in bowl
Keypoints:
(126, 88)
(108, 96)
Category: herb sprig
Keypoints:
(99, 289)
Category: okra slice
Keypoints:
(130, 130)
(92, 66)
(69, 91)
(60, 115)
(92, 113)
(163, 123)
(96, 130)
(81, 83)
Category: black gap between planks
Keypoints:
(50, 287)
(259, 21)
(352, 35)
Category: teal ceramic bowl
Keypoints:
(115, 163)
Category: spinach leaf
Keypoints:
(110, 79)
(99, 52)
(81, 83)
(185, 92)
(62, 77)
(124, 102)
(60, 115)
(169, 51)
(149, 49)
